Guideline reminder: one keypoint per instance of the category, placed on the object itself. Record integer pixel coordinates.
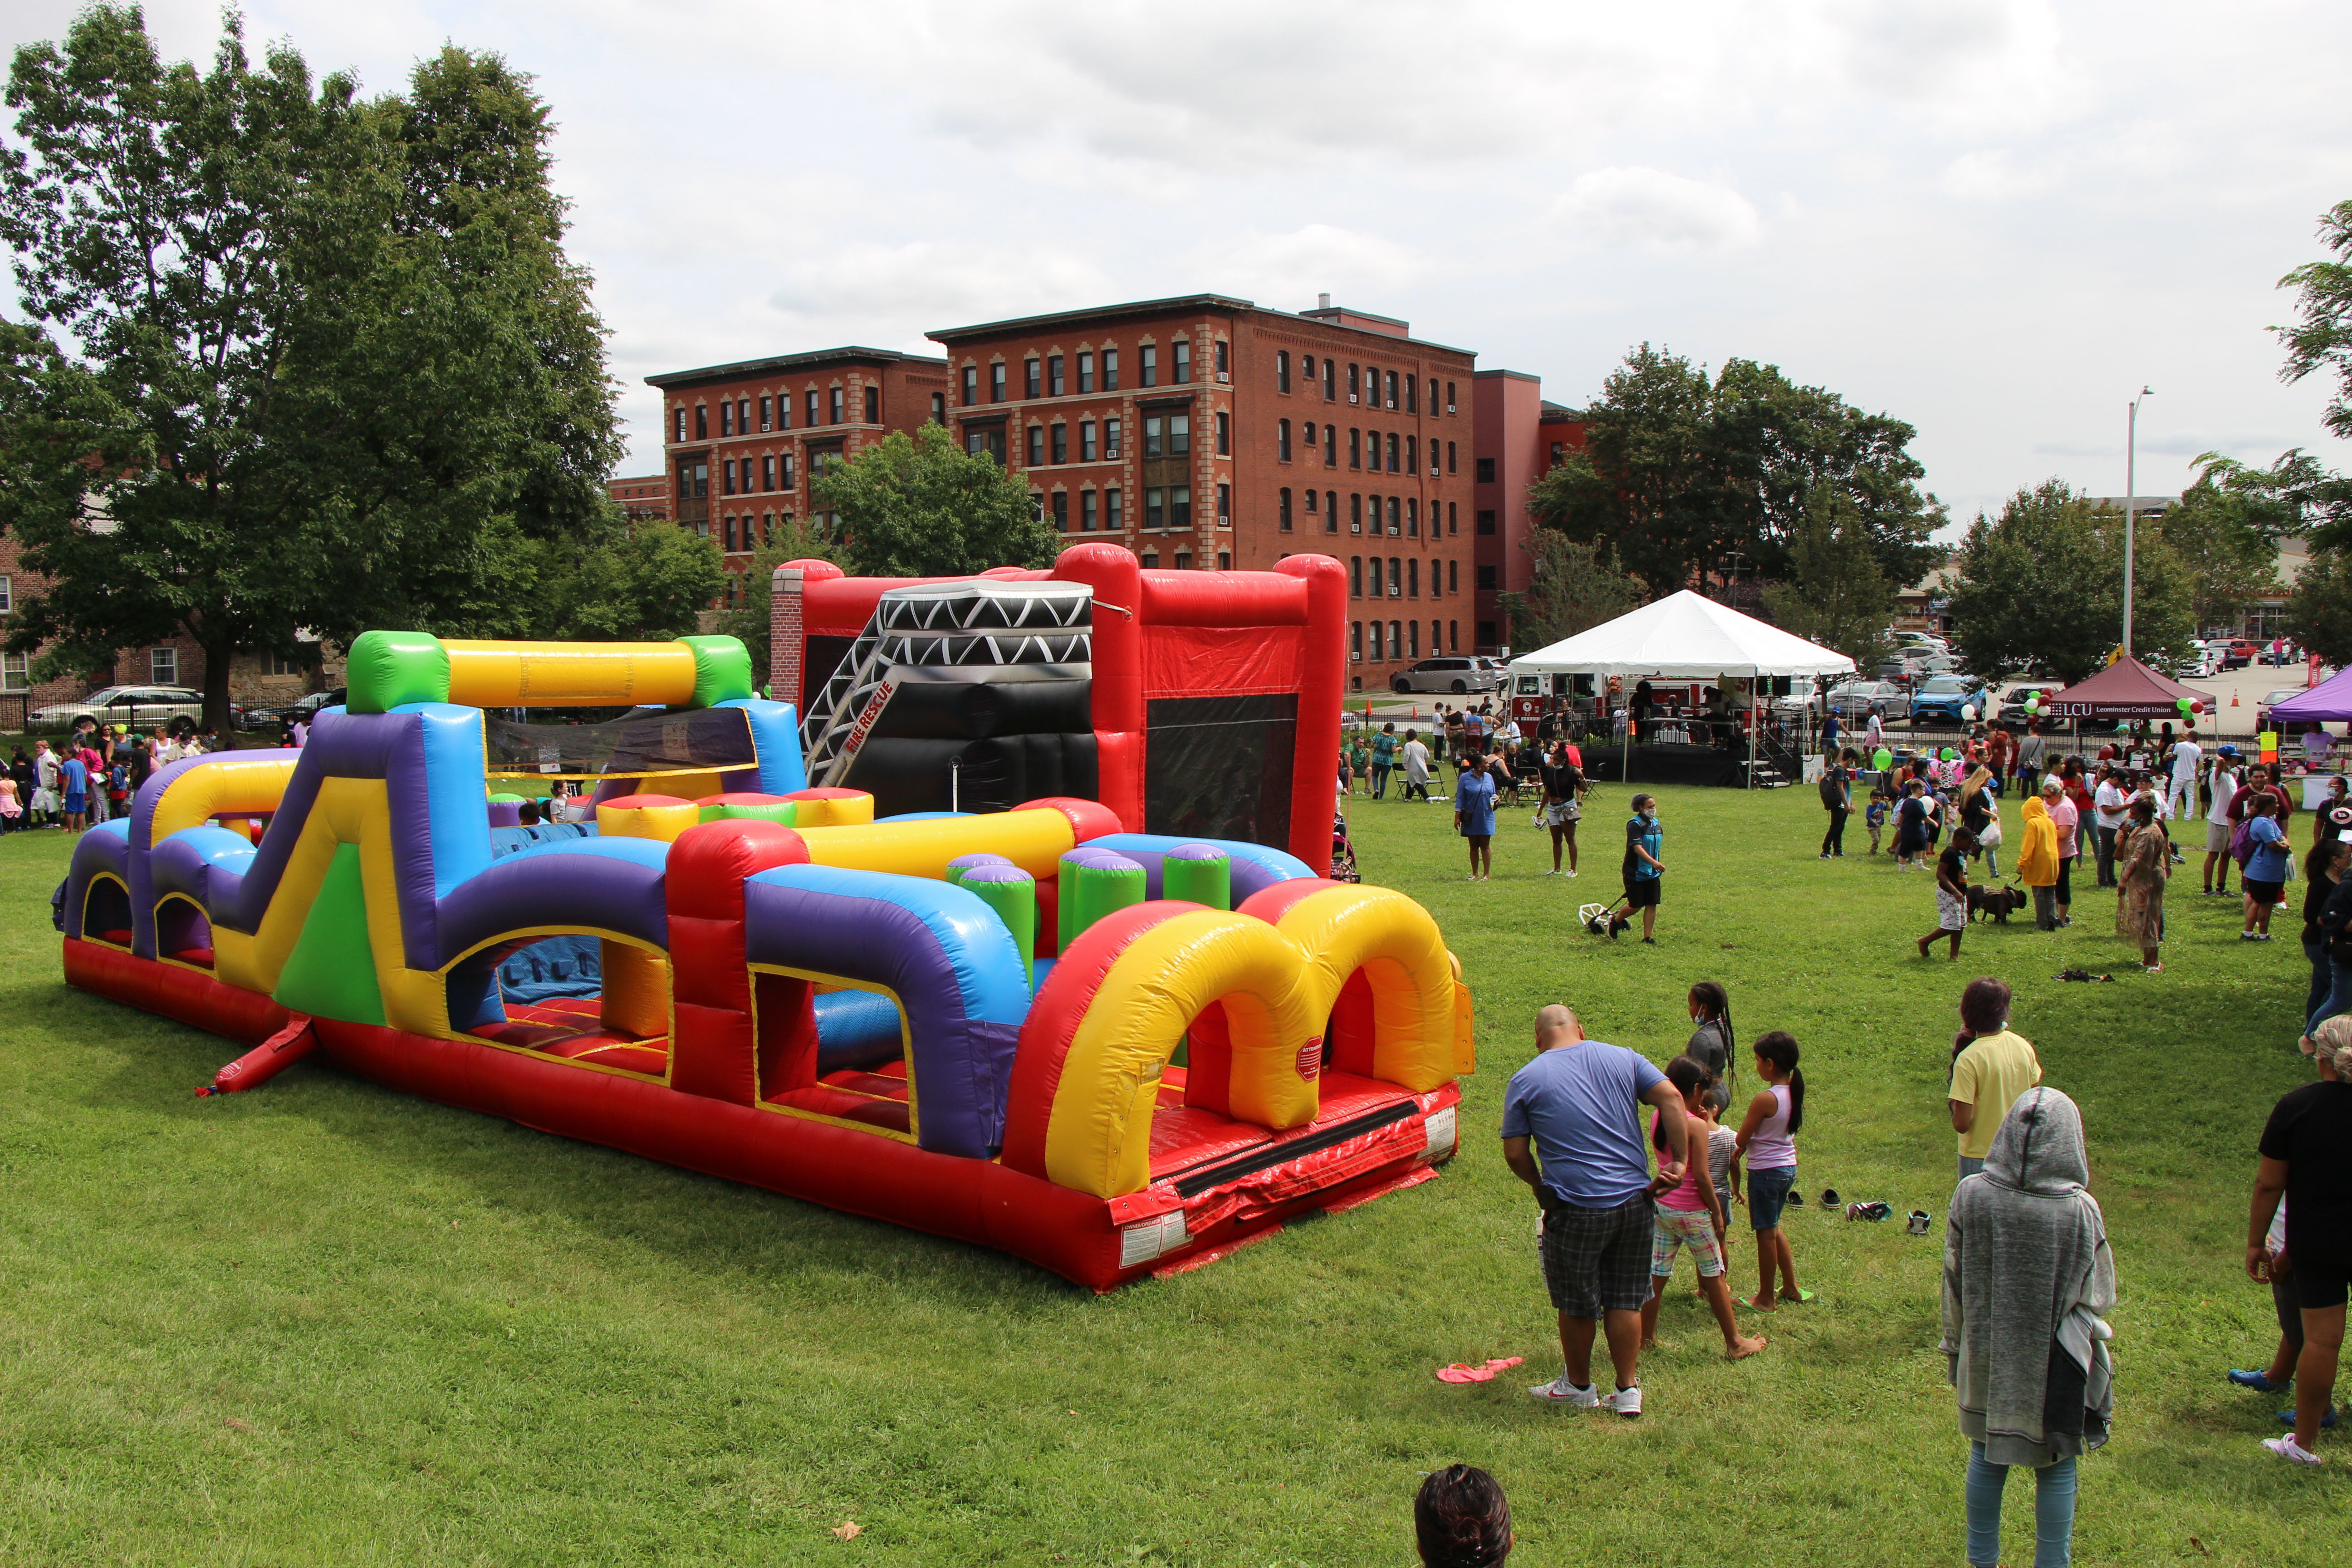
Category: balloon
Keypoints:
(2197, 705)
(1969, 714)
(2033, 705)
(2182, 703)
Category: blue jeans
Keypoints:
(2053, 1512)
(2339, 992)
(1768, 1190)
(2322, 977)
(1969, 1167)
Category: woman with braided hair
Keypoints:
(1460, 1520)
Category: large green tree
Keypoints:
(2041, 586)
(2319, 610)
(2226, 536)
(1570, 590)
(1835, 595)
(294, 360)
(748, 618)
(921, 506)
(1683, 475)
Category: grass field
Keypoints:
(327, 1323)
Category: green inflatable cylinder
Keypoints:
(961, 864)
(1013, 894)
(1066, 902)
(1197, 874)
(749, 805)
(1106, 887)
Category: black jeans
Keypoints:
(1833, 841)
(2105, 837)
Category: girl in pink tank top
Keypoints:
(1691, 1215)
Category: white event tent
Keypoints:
(1686, 636)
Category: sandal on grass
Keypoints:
(1801, 1297)
(1460, 1373)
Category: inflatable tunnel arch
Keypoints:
(1382, 951)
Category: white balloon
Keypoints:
(1969, 713)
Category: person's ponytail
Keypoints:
(1796, 1100)
(1779, 1048)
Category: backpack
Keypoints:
(2242, 844)
(1833, 788)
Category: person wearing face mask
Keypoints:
(1644, 873)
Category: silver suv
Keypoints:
(1458, 676)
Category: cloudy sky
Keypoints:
(1994, 218)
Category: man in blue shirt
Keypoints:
(1578, 1104)
(1474, 815)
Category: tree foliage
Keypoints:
(2225, 535)
(316, 362)
(1682, 475)
(1836, 594)
(1569, 591)
(921, 506)
(2041, 585)
(2319, 610)
(2322, 340)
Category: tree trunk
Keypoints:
(216, 714)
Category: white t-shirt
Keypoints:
(2110, 801)
(2185, 758)
(1416, 762)
(2225, 789)
(1509, 731)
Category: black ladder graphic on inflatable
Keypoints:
(975, 623)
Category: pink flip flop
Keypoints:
(1459, 1373)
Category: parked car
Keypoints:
(1853, 701)
(1907, 669)
(302, 708)
(2009, 708)
(2237, 653)
(1941, 699)
(1458, 676)
(1805, 694)
(134, 707)
(2270, 700)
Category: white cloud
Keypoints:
(1649, 209)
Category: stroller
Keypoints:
(1343, 854)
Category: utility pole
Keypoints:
(2131, 505)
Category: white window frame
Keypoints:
(15, 673)
(163, 666)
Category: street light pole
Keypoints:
(2131, 505)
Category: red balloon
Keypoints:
(2197, 705)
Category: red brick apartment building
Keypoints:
(1205, 433)
(739, 440)
(642, 497)
(1520, 437)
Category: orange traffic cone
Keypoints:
(2233, 699)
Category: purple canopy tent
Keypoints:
(2331, 699)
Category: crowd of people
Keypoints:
(87, 778)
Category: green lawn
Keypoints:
(324, 1322)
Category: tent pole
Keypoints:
(1755, 732)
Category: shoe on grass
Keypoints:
(1627, 1402)
(1559, 1390)
(2326, 1421)
(2288, 1448)
(2259, 1381)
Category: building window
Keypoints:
(1412, 578)
(728, 528)
(1452, 518)
(1085, 440)
(784, 468)
(1486, 470)
(1281, 370)
(701, 422)
(1183, 561)
(1331, 385)
(1155, 510)
(1225, 506)
(1436, 585)
(1086, 371)
(1392, 443)
(1433, 408)
(1030, 385)
(1411, 401)
(873, 405)
(970, 386)
(1396, 578)
(1389, 399)
(1224, 360)
(8, 597)
(1372, 578)
(1412, 518)
(1224, 557)
(1061, 512)
(1449, 459)
(833, 401)
(1225, 436)
(1412, 455)
(1355, 514)
(1356, 641)
(767, 529)
(163, 666)
(1487, 521)
(15, 673)
(1148, 358)
(1355, 576)
(939, 408)
(1053, 383)
(1036, 446)
(996, 382)
(1114, 517)
(681, 424)
(726, 419)
(766, 413)
(743, 416)
(1180, 435)
(1110, 370)
(1087, 519)
(1449, 398)
(1355, 448)
(1412, 639)
(1559, 453)
(1330, 512)
(1396, 527)
(1152, 438)
(810, 403)
(1284, 492)
(1151, 560)
(1180, 506)
(1378, 656)
(766, 473)
(1061, 443)
(1487, 584)
(1330, 446)
(1355, 384)
(1111, 437)
(1281, 439)
(726, 471)
(1180, 354)
(1453, 635)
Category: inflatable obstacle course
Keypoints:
(1046, 1028)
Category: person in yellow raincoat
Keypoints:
(2037, 863)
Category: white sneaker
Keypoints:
(1559, 1390)
(1626, 1402)
(2286, 1448)
(1571, 873)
